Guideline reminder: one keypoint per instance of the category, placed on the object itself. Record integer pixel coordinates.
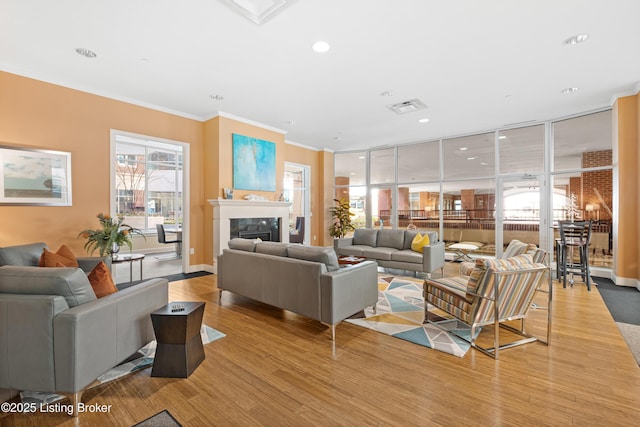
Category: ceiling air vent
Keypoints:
(407, 106)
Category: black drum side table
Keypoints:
(177, 328)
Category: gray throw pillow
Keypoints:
(327, 256)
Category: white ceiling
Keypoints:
(477, 65)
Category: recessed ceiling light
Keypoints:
(361, 158)
(425, 120)
(578, 38)
(216, 97)
(321, 47)
(471, 158)
(570, 90)
(386, 93)
(85, 52)
(484, 163)
(352, 173)
(462, 148)
(502, 137)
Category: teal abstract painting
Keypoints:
(254, 164)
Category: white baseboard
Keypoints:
(626, 281)
(201, 267)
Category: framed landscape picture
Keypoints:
(34, 177)
(254, 164)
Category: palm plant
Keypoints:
(341, 215)
(112, 234)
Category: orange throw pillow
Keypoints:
(62, 256)
(101, 280)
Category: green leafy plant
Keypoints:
(112, 231)
(341, 215)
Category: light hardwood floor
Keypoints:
(277, 368)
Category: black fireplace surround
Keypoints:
(266, 229)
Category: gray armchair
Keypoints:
(56, 336)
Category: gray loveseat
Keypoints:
(55, 335)
(304, 279)
(392, 249)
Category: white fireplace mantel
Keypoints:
(225, 209)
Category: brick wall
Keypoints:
(597, 181)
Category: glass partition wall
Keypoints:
(583, 179)
(491, 187)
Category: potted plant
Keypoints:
(341, 215)
(111, 235)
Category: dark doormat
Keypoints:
(161, 419)
(622, 301)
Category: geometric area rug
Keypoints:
(144, 359)
(400, 313)
(161, 419)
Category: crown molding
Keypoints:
(46, 79)
(297, 144)
(246, 121)
(632, 92)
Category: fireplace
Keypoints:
(267, 229)
(255, 218)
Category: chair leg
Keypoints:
(75, 399)
(558, 259)
(585, 261)
(564, 267)
(496, 338)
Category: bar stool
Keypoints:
(574, 235)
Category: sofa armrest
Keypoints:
(348, 290)
(94, 337)
(433, 257)
(342, 242)
(69, 282)
(27, 340)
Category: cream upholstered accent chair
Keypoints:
(497, 291)
(515, 248)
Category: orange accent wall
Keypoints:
(626, 231)
(35, 114)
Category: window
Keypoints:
(469, 156)
(491, 187)
(419, 162)
(383, 166)
(521, 150)
(147, 181)
(350, 180)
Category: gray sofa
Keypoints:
(392, 249)
(304, 279)
(55, 335)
